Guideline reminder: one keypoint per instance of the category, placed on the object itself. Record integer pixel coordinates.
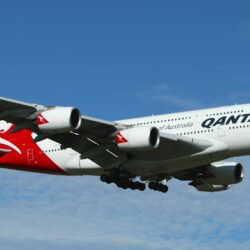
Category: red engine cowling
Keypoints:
(140, 139)
(59, 120)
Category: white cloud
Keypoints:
(53, 212)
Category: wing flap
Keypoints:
(101, 151)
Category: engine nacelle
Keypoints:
(225, 173)
(140, 139)
(219, 176)
(59, 120)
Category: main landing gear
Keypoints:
(156, 186)
(123, 180)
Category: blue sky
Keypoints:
(113, 60)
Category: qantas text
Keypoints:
(226, 120)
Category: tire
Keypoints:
(125, 185)
(119, 184)
(151, 185)
(132, 186)
(108, 181)
(164, 189)
(142, 187)
(104, 178)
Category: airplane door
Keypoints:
(30, 156)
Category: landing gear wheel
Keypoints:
(132, 186)
(109, 181)
(164, 189)
(125, 184)
(104, 178)
(142, 187)
(122, 179)
(158, 187)
(152, 185)
(119, 184)
(137, 184)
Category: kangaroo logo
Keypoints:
(11, 145)
(4, 128)
(120, 139)
(41, 120)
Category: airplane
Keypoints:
(133, 153)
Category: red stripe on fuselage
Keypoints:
(32, 158)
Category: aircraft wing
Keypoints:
(15, 111)
(96, 126)
(18, 112)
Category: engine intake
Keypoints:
(239, 173)
(59, 120)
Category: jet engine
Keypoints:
(59, 120)
(224, 173)
(219, 176)
(140, 139)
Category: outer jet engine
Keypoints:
(59, 120)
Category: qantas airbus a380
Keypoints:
(188, 146)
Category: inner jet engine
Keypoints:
(140, 139)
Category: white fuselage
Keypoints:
(228, 125)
